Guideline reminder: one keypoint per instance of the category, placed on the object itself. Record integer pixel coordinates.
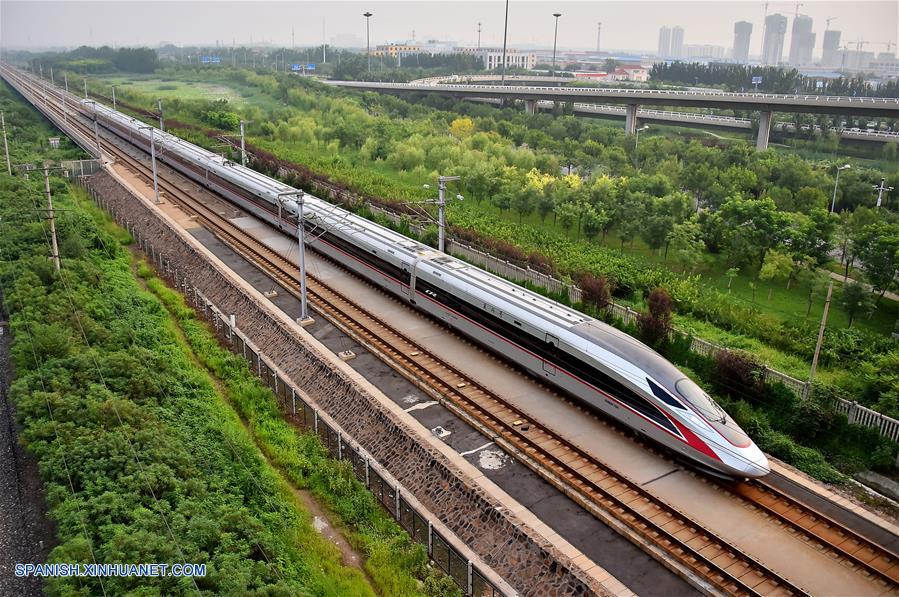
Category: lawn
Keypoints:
(165, 88)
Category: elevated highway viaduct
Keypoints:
(763, 103)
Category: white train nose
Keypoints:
(755, 462)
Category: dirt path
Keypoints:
(26, 533)
(304, 499)
(841, 278)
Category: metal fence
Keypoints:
(76, 168)
(440, 548)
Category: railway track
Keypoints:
(689, 547)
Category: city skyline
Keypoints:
(704, 23)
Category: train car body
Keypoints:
(602, 367)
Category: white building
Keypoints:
(493, 57)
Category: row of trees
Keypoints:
(775, 79)
(86, 59)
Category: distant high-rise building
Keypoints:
(830, 55)
(802, 41)
(677, 42)
(664, 42)
(773, 43)
(742, 33)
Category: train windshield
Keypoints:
(726, 426)
(702, 401)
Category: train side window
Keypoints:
(664, 396)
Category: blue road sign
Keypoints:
(296, 67)
(310, 67)
(756, 80)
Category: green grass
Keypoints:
(392, 560)
(168, 89)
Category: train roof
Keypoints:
(630, 349)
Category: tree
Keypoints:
(749, 228)
(568, 214)
(685, 244)
(698, 177)
(730, 274)
(461, 127)
(502, 200)
(593, 221)
(877, 248)
(855, 299)
(777, 266)
(544, 205)
(524, 202)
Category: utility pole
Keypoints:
(52, 215)
(5, 144)
(243, 143)
(65, 113)
(880, 189)
(556, 37)
(304, 318)
(368, 16)
(161, 123)
(811, 375)
(324, 45)
(153, 161)
(96, 129)
(505, 39)
(113, 97)
(441, 208)
(479, 35)
(85, 88)
(52, 82)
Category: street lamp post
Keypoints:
(880, 189)
(556, 37)
(368, 16)
(505, 37)
(833, 202)
(153, 162)
(637, 135)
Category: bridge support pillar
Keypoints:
(765, 118)
(530, 106)
(630, 119)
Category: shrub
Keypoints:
(655, 325)
(596, 290)
(738, 375)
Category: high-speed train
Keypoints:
(604, 368)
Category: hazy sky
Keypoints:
(630, 24)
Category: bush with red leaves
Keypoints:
(596, 290)
(738, 375)
(655, 325)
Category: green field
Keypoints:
(171, 89)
